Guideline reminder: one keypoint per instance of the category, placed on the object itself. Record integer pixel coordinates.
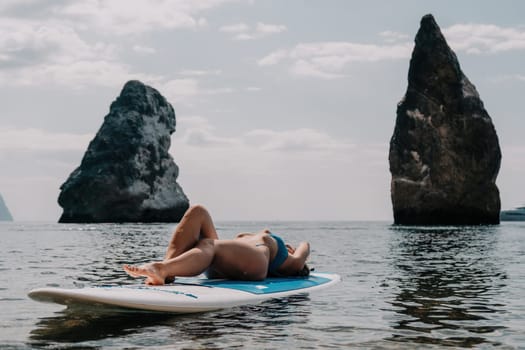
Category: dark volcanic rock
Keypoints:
(444, 153)
(5, 215)
(127, 174)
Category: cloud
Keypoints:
(27, 42)
(328, 59)
(195, 121)
(198, 131)
(306, 170)
(184, 89)
(200, 73)
(269, 28)
(298, 140)
(180, 88)
(273, 58)
(41, 140)
(503, 78)
(144, 50)
(67, 46)
(7, 4)
(242, 31)
(42, 53)
(235, 28)
(38, 52)
(80, 74)
(313, 69)
(205, 138)
(120, 18)
(391, 36)
(474, 38)
(484, 38)
(75, 74)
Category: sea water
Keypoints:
(402, 288)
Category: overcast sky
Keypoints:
(284, 109)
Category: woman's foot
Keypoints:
(153, 272)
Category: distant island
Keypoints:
(517, 214)
(5, 215)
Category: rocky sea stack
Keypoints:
(5, 215)
(127, 174)
(444, 153)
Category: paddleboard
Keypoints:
(186, 295)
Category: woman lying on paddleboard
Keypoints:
(195, 248)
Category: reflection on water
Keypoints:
(74, 325)
(448, 278)
(264, 321)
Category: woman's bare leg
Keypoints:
(191, 263)
(196, 224)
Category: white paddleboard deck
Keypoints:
(187, 295)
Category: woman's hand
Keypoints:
(305, 246)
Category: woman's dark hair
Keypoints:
(304, 272)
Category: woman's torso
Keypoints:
(245, 257)
(259, 239)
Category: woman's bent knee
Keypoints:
(197, 209)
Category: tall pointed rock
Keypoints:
(444, 153)
(127, 174)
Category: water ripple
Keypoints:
(402, 287)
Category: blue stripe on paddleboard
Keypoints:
(149, 288)
(269, 285)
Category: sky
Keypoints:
(284, 109)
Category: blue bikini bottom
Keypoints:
(280, 257)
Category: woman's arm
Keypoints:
(296, 258)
